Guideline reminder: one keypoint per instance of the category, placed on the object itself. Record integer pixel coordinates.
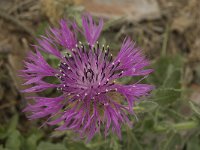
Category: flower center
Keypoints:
(88, 70)
(89, 74)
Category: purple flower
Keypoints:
(91, 100)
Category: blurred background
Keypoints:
(168, 32)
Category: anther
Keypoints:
(111, 57)
(121, 73)
(97, 45)
(82, 79)
(82, 47)
(106, 104)
(103, 76)
(118, 64)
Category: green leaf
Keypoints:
(50, 146)
(193, 143)
(14, 141)
(6, 131)
(146, 106)
(167, 96)
(195, 108)
(167, 79)
(1, 148)
(31, 142)
(172, 142)
(167, 72)
(76, 145)
(42, 27)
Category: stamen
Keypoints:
(97, 64)
(103, 76)
(97, 45)
(97, 75)
(111, 74)
(121, 73)
(83, 79)
(83, 49)
(77, 73)
(111, 57)
(103, 47)
(80, 58)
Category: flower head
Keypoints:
(87, 76)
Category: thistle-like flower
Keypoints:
(89, 94)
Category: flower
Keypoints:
(90, 99)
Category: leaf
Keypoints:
(167, 71)
(5, 131)
(172, 142)
(195, 108)
(167, 96)
(14, 141)
(31, 142)
(146, 106)
(76, 145)
(13, 123)
(1, 148)
(41, 28)
(166, 78)
(193, 143)
(50, 146)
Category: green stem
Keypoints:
(179, 126)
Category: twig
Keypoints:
(20, 5)
(165, 41)
(12, 103)
(16, 22)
